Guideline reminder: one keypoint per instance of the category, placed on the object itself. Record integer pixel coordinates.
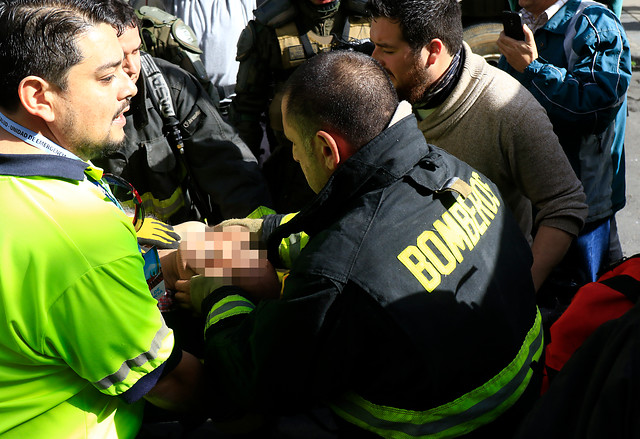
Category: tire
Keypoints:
(482, 40)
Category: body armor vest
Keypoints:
(296, 48)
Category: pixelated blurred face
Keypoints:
(406, 67)
(307, 153)
(232, 251)
(130, 42)
(89, 113)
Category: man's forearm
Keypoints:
(182, 389)
(549, 247)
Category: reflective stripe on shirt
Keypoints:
(131, 370)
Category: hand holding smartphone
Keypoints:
(512, 23)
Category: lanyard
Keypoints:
(42, 143)
(34, 139)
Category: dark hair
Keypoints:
(39, 37)
(344, 91)
(122, 13)
(423, 20)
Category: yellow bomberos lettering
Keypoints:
(481, 224)
(417, 263)
(460, 213)
(485, 214)
(438, 252)
(453, 235)
(484, 192)
(423, 244)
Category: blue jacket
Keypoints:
(586, 101)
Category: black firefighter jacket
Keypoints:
(410, 310)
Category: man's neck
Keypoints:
(448, 76)
(16, 146)
(541, 8)
(11, 143)
(541, 16)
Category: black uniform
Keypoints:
(223, 167)
(408, 295)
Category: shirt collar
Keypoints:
(403, 110)
(535, 24)
(43, 165)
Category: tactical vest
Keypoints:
(296, 48)
(168, 37)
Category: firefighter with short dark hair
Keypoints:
(410, 312)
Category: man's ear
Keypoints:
(36, 96)
(332, 149)
(434, 50)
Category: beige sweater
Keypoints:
(494, 124)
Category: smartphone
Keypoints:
(512, 23)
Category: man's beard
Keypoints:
(414, 90)
(91, 150)
(88, 149)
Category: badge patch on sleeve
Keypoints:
(193, 120)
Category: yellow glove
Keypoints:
(156, 233)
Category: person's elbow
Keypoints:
(182, 389)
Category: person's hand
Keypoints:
(519, 54)
(174, 267)
(156, 233)
(190, 293)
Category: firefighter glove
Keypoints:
(156, 233)
(253, 225)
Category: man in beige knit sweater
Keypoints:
(484, 117)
